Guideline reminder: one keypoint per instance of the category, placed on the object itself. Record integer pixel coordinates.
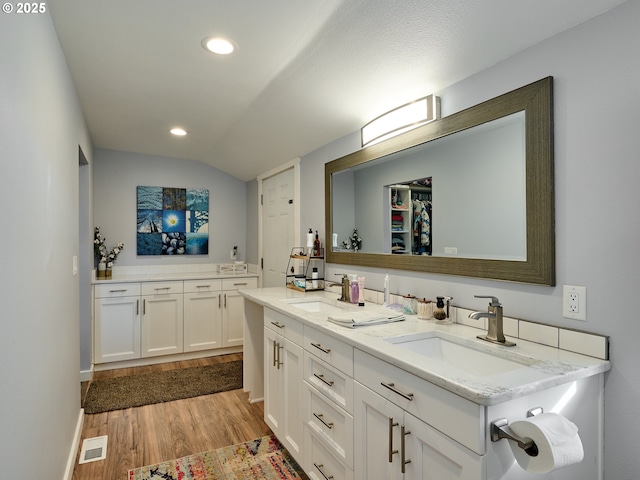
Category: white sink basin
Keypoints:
(457, 353)
(314, 304)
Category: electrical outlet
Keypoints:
(574, 302)
(74, 265)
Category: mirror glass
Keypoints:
(469, 194)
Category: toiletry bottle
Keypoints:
(353, 285)
(386, 289)
(314, 277)
(316, 246)
(309, 242)
(361, 291)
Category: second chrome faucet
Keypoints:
(495, 333)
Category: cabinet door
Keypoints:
(273, 380)
(162, 325)
(232, 319)
(117, 329)
(292, 389)
(434, 456)
(377, 423)
(202, 321)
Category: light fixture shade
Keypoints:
(401, 119)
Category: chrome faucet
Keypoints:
(495, 332)
(345, 297)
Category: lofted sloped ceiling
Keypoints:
(306, 72)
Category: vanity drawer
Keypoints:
(239, 283)
(331, 424)
(321, 464)
(286, 326)
(330, 382)
(331, 350)
(203, 286)
(117, 290)
(447, 412)
(162, 288)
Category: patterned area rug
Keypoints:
(145, 389)
(260, 459)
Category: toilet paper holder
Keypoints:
(500, 429)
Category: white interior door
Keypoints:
(278, 226)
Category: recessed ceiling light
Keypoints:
(180, 132)
(218, 45)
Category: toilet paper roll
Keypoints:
(557, 440)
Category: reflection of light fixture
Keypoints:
(179, 132)
(218, 45)
(401, 119)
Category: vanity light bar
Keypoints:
(401, 119)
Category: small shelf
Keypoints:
(300, 268)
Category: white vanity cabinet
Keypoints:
(283, 370)
(162, 318)
(202, 314)
(328, 402)
(233, 309)
(117, 322)
(398, 423)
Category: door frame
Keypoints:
(295, 164)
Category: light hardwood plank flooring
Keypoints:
(155, 433)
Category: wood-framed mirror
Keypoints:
(467, 235)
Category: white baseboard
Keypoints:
(73, 453)
(86, 375)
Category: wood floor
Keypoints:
(154, 433)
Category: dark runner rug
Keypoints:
(136, 390)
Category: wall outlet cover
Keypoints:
(574, 302)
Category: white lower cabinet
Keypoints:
(202, 315)
(151, 319)
(162, 318)
(233, 309)
(283, 380)
(393, 444)
(394, 418)
(117, 322)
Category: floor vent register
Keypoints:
(93, 449)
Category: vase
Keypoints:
(108, 273)
(102, 270)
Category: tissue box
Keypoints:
(232, 268)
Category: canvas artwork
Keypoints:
(172, 221)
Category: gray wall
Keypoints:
(41, 128)
(116, 176)
(597, 103)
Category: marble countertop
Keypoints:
(542, 366)
(168, 276)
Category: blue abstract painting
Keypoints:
(172, 221)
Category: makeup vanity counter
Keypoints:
(144, 317)
(393, 371)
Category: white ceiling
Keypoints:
(307, 72)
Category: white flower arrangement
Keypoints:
(354, 243)
(100, 249)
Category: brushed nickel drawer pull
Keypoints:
(320, 417)
(278, 324)
(403, 433)
(280, 347)
(203, 286)
(162, 288)
(391, 386)
(391, 450)
(239, 284)
(118, 291)
(320, 347)
(138, 307)
(321, 378)
(275, 358)
(320, 469)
